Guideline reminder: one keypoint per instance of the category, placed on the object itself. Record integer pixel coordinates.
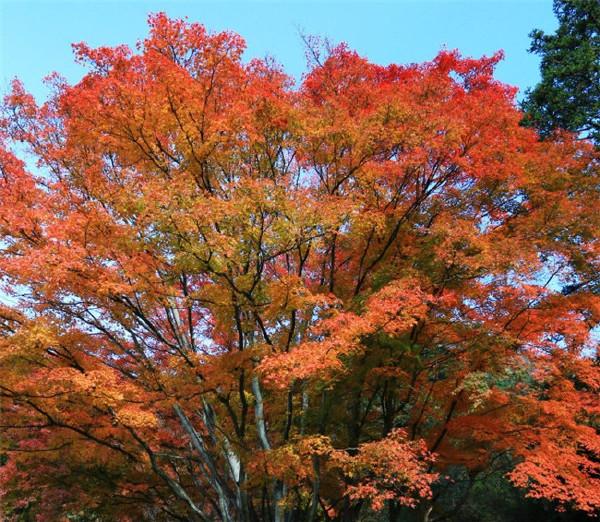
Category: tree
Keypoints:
(235, 299)
(568, 95)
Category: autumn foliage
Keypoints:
(230, 297)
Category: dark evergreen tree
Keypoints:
(568, 95)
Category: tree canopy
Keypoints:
(568, 95)
(233, 298)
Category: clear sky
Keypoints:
(35, 35)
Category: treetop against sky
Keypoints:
(394, 31)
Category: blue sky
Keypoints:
(35, 35)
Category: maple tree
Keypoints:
(229, 298)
